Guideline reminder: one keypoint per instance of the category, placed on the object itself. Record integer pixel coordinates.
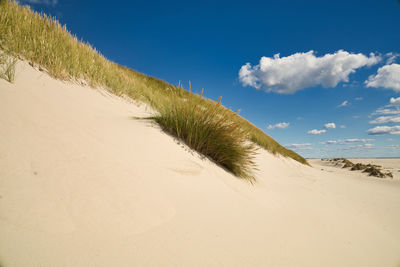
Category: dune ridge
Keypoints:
(43, 41)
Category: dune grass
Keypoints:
(7, 66)
(40, 39)
(208, 129)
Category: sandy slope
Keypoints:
(82, 184)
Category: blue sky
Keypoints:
(324, 61)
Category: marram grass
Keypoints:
(207, 127)
(40, 39)
(7, 66)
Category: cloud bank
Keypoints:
(281, 125)
(346, 141)
(299, 146)
(387, 77)
(393, 108)
(385, 119)
(286, 75)
(381, 130)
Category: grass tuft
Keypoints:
(207, 127)
(7, 67)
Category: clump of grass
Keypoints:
(373, 170)
(40, 39)
(7, 67)
(207, 128)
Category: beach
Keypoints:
(82, 183)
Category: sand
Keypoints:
(83, 184)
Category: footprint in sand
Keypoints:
(188, 168)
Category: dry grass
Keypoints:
(207, 127)
(7, 66)
(42, 40)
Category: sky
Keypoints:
(320, 77)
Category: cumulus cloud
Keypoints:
(381, 130)
(315, 131)
(299, 146)
(395, 101)
(393, 108)
(286, 75)
(385, 119)
(281, 125)
(330, 125)
(345, 103)
(346, 141)
(41, 2)
(387, 77)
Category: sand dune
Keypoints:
(83, 184)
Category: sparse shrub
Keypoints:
(374, 170)
(358, 167)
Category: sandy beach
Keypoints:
(84, 184)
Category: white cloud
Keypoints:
(345, 103)
(342, 126)
(346, 141)
(41, 2)
(388, 77)
(386, 119)
(395, 101)
(298, 146)
(315, 131)
(381, 130)
(359, 98)
(281, 125)
(286, 75)
(359, 147)
(386, 111)
(391, 57)
(330, 125)
(393, 108)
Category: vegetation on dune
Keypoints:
(205, 125)
(7, 66)
(209, 129)
(373, 170)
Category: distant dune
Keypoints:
(83, 184)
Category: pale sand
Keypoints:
(82, 184)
